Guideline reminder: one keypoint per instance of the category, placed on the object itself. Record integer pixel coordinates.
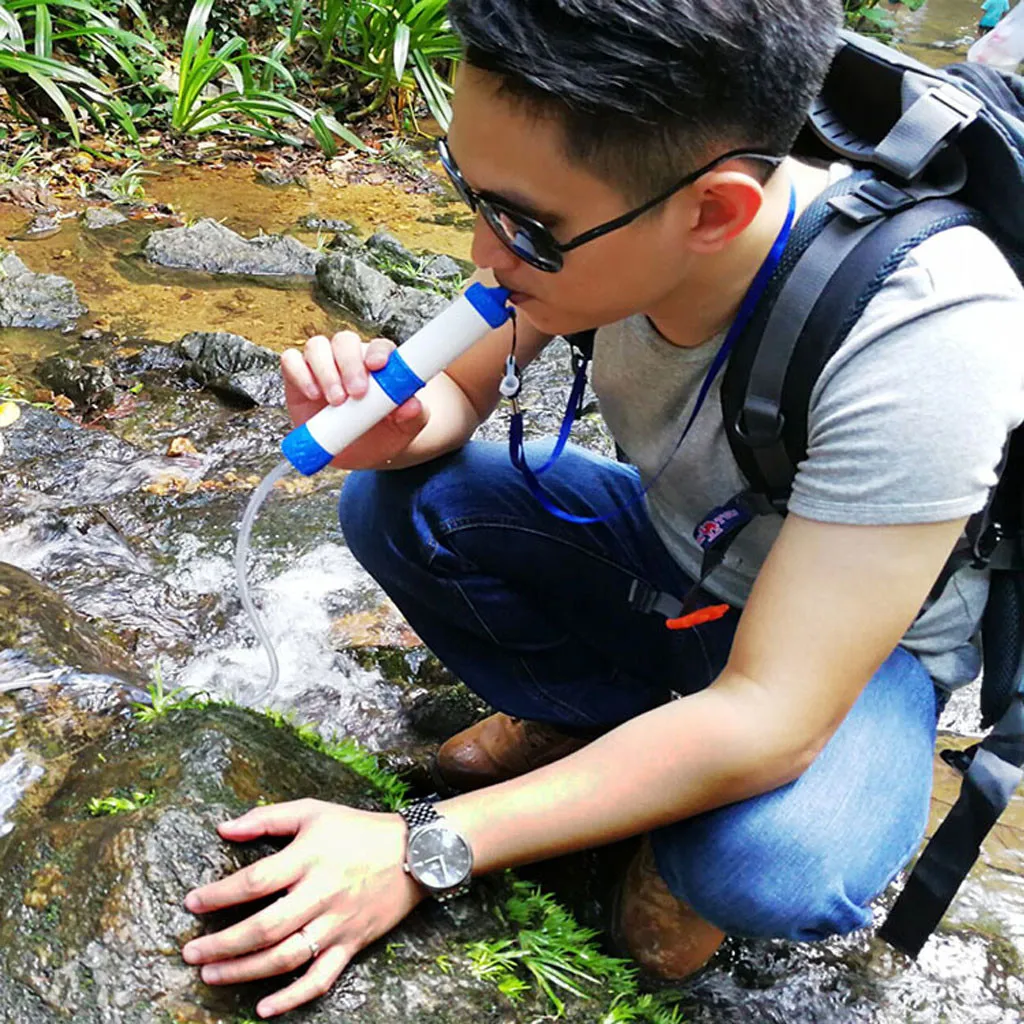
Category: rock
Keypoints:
(91, 914)
(410, 310)
(98, 218)
(444, 268)
(36, 300)
(394, 310)
(386, 243)
(44, 225)
(89, 387)
(40, 632)
(233, 367)
(358, 287)
(311, 222)
(211, 247)
(440, 713)
(273, 177)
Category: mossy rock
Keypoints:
(91, 915)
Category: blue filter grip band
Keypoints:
(397, 381)
(490, 303)
(301, 449)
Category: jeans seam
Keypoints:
(452, 527)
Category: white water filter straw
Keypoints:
(471, 317)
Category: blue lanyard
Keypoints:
(517, 449)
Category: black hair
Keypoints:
(648, 89)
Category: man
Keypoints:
(789, 782)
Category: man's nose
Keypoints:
(488, 251)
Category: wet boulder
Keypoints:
(211, 247)
(91, 914)
(45, 301)
(396, 311)
(63, 684)
(232, 367)
(96, 218)
(89, 386)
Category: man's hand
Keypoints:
(342, 884)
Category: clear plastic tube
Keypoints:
(241, 560)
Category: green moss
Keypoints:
(553, 952)
(394, 793)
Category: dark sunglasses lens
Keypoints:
(524, 240)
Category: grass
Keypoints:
(103, 806)
(552, 952)
(13, 171)
(393, 792)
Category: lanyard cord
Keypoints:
(517, 449)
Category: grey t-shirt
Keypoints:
(907, 425)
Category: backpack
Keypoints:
(932, 150)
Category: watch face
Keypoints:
(438, 857)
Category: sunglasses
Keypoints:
(529, 240)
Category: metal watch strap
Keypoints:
(419, 814)
(416, 816)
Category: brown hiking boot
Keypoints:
(661, 933)
(500, 748)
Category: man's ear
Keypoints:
(725, 205)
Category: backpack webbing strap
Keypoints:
(761, 420)
(767, 421)
(993, 776)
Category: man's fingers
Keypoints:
(378, 352)
(270, 926)
(296, 372)
(288, 955)
(273, 820)
(320, 356)
(322, 974)
(347, 349)
(264, 878)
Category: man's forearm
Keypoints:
(686, 757)
(453, 419)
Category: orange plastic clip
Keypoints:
(710, 614)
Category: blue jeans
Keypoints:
(532, 614)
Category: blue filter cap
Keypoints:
(490, 303)
(301, 449)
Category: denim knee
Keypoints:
(759, 883)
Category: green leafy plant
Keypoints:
(553, 952)
(101, 806)
(13, 171)
(870, 17)
(397, 47)
(220, 90)
(162, 701)
(44, 46)
(128, 185)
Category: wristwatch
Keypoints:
(436, 855)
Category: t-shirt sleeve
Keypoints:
(909, 420)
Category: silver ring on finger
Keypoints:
(314, 946)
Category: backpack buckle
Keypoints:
(927, 126)
(872, 200)
(760, 423)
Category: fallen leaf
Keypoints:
(181, 446)
(9, 413)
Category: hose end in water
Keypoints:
(303, 451)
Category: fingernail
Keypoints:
(211, 975)
(190, 955)
(335, 395)
(192, 903)
(264, 1010)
